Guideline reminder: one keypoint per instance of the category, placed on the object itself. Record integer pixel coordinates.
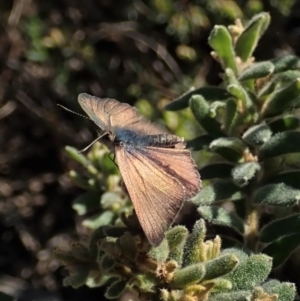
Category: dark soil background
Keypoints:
(50, 51)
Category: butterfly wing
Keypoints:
(157, 196)
(110, 114)
(178, 163)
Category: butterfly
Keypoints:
(157, 170)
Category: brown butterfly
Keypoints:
(159, 173)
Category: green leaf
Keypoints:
(286, 291)
(176, 238)
(282, 249)
(277, 195)
(232, 296)
(208, 93)
(279, 228)
(217, 192)
(257, 70)
(286, 63)
(77, 279)
(116, 289)
(286, 123)
(107, 262)
(221, 41)
(243, 173)
(282, 99)
(128, 246)
(288, 178)
(201, 111)
(241, 255)
(86, 202)
(248, 39)
(188, 275)
(81, 181)
(146, 282)
(232, 149)
(257, 135)
(231, 117)
(99, 220)
(220, 266)
(160, 253)
(219, 216)
(251, 272)
(280, 144)
(80, 158)
(235, 88)
(219, 170)
(192, 248)
(4, 297)
(199, 143)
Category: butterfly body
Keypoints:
(157, 170)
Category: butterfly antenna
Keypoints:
(73, 111)
(87, 147)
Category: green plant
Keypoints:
(250, 133)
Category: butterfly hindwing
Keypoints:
(156, 195)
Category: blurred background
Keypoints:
(145, 53)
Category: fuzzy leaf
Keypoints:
(248, 40)
(82, 182)
(282, 249)
(160, 253)
(243, 173)
(219, 170)
(199, 143)
(286, 123)
(221, 41)
(98, 220)
(80, 252)
(280, 144)
(201, 111)
(116, 289)
(219, 216)
(235, 88)
(177, 237)
(251, 272)
(218, 191)
(188, 275)
(257, 135)
(257, 70)
(282, 99)
(80, 158)
(230, 148)
(146, 282)
(128, 246)
(286, 63)
(277, 195)
(232, 296)
(280, 228)
(107, 262)
(288, 178)
(286, 291)
(241, 255)
(220, 266)
(208, 93)
(86, 202)
(231, 117)
(77, 279)
(192, 248)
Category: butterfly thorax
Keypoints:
(131, 138)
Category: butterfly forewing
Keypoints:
(156, 195)
(110, 114)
